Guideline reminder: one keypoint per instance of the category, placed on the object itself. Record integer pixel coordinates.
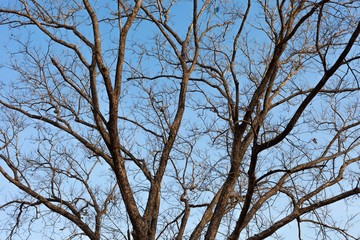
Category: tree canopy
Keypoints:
(198, 119)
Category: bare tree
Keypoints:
(154, 119)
